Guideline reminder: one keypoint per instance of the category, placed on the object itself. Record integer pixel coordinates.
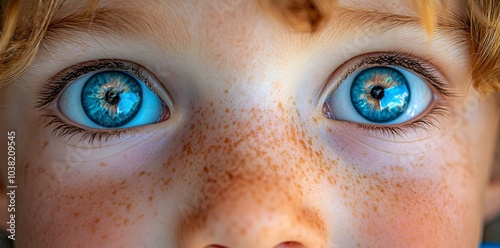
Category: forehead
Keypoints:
(180, 22)
(234, 34)
(240, 10)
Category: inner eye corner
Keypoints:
(403, 85)
(112, 98)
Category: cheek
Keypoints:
(100, 201)
(429, 199)
(407, 212)
(432, 201)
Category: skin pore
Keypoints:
(247, 157)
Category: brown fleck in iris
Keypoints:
(376, 86)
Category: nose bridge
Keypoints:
(266, 139)
(257, 161)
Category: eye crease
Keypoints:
(390, 93)
(261, 123)
(103, 98)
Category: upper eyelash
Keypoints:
(56, 85)
(51, 89)
(404, 61)
(426, 122)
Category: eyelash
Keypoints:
(429, 119)
(53, 87)
(57, 84)
(427, 122)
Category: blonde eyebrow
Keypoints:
(117, 21)
(100, 20)
(130, 21)
(383, 20)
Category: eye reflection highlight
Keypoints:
(390, 93)
(107, 95)
(111, 99)
(380, 94)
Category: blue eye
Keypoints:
(109, 100)
(382, 95)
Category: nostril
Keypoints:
(290, 244)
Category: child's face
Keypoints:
(249, 155)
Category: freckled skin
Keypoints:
(247, 158)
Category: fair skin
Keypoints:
(247, 157)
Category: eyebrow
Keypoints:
(130, 21)
(100, 20)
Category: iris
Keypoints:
(111, 98)
(380, 94)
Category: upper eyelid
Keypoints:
(403, 60)
(54, 86)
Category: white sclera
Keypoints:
(70, 104)
(421, 96)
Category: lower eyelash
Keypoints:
(53, 88)
(64, 130)
(427, 123)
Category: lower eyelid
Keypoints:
(427, 120)
(407, 147)
(50, 95)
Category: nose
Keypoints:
(254, 213)
(282, 245)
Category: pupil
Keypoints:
(377, 92)
(112, 97)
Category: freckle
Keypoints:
(97, 220)
(77, 214)
(129, 206)
(150, 198)
(45, 144)
(114, 192)
(142, 173)
(173, 170)
(126, 221)
(166, 183)
(103, 164)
